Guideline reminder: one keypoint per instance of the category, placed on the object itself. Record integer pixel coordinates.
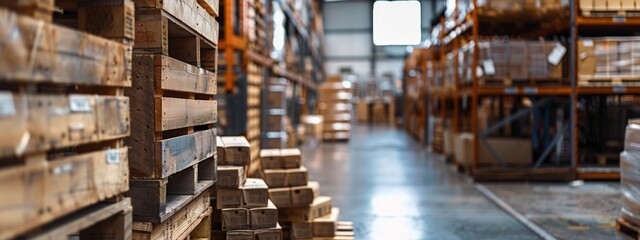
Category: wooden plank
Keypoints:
(211, 6)
(43, 52)
(185, 49)
(39, 9)
(175, 75)
(152, 31)
(181, 113)
(37, 193)
(85, 218)
(187, 13)
(39, 122)
(153, 201)
(177, 226)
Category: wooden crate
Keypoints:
(190, 221)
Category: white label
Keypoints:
(479, 72)
(489, 67)
(7, 107)
(587, 42)
(79, 103)
(619, 89)
(530, 90)
(556, 55)
(113, 156)
(511, 91)
(63, 169)
(619, 19)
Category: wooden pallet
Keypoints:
(106, 220)
(496, 82)
(192, 221)
(180, 29)
(628, 229)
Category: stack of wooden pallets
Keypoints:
(303, 213)
(336, 108)
(243, 209)
(173, 140)
(255, 76)
(64, 114)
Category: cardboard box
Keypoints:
(325, 226)
(240, 235)
(270, 159)
(275, 177)
(220, 151)
(235, 219)
(297, 177)
(291, 158)
(255, 193)
(236, 150)
(463, 153)
(264, 217)
(304, 195)
(514, 151)
(231, 176)
(321, 206)
(586, 58)
(281, 197)
(269, 234)
(228, 198)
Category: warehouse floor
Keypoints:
(393, 189)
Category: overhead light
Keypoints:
(396, 23)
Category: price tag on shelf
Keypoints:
(619, 89)
(7, 106)
(511, 91)
(489, 67)
(556, 54)
(530, 90)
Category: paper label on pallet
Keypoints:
(7, 106)
(489, 67)
(619, 89)
(587, 42)
(113, 156)
(79, 104)
(556, 54)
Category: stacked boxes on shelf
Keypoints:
(64, 163)
(173, 139)
(609, 61)
(243, 209)
(336, 109)
(275, 120)
(303, 212)
(609, 8)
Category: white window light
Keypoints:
(396, 23)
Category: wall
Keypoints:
(349, 40)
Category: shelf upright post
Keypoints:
(573, 41)
(474, 90)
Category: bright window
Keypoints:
(396, 23)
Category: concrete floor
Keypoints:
(391, 188)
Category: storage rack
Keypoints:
(246, 56)
(450, 100)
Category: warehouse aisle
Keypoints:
(393, 189)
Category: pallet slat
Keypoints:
(44, 52)
(36, 193)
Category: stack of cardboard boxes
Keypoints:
(243, 209)
(335, 107)
(274, 130)
(303, 213)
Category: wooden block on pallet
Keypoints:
(291, 158)
(321, 206)
(41, 52)
(270, 159)
(269, 233)
(107, 18)
(237, 151)
(231, 176)
(235, 219)
(40, 191)
(264, 217)
(156, 200)
(240, 235)
(180, 225)
(326, 226)
(304, 195)
(281, 197)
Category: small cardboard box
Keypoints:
(275, 177)
(240, 235)
(264, 217)
(231, 176)
(321, 206)
(326, 225)
(297, 177)
(270, 159)
(220, 151)
(586, 58)
(255, 193)
(281, 197)
(291, 158)
(302, 230)
(228, 198)
(304, 195)
(236, 150)
(269, 234)
(235, 219)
